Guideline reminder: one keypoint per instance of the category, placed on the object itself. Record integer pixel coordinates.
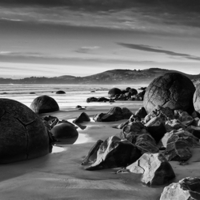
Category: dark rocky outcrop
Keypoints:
(60, 92)
(44, 104)
(186, 189)
(173, 90)
(111, 153)
(113, 92)
(114, 114)
(155, 169)
(65, 132)
(23, 135)
(83, 117)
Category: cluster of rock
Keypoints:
(115, 94)
(164, 129)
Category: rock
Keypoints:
(114, 114)
(65, 133)
(146, 143)
(51, 121)
(133, 91)
(92, 155)
(114, 92)
(155, 169)
(184, 117)
(103, 99)
(141, 112)
(80, 107)
(173, 124)
(186, 189)
(196, 99)
(83, 117)
(91, 99)
(44, 104)
(132, 130)
(173, 90)
(60, 92)
(178, 144)
(114, 152)
(140, 96)
(156, 128)
(23, 135)
(126, 113)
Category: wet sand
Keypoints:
(60, 175)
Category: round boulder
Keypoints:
(196, 99)
(65, 132)
(173, 90)
(23, 135)
(44, 104)
(114, 92)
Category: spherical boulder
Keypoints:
(65, 132)
(173, 90)
(114, 91)
(196, 99)
(23, 135)
(44, 104)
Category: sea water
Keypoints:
(74, 94)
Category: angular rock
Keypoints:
(132, 130)
(173, 124)
(155, 169)
(156, 128)
(146, 143)
(114, 114)
(196, 99)
(186, 189)
(178, 144)
(141, 112)
(173, 90)
(83, 117)
(50, 121)
(44, 104)
(126, 113)
(184, 117)
(23, 135)
(114, 152)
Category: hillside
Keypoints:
(117, 76)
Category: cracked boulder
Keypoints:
(44, 104)
(173, 90)
(155, 169)
(186, 189)
(178, 144)
(65, 132)
(23, 135)
(113, 152)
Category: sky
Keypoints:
(85, 37)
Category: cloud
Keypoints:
(148, 48)
(87, 49)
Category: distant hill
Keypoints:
(117, 76)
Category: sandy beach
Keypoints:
(60, 175)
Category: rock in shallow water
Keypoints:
(155, 169)
(186, 189)
(111, 153)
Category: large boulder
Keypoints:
(173, 90)
(65, 132)
(155, 169)
(44, 104)
(114, 92)
(113, 152)
(23, 135)
(196, 99)
(186, 189)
